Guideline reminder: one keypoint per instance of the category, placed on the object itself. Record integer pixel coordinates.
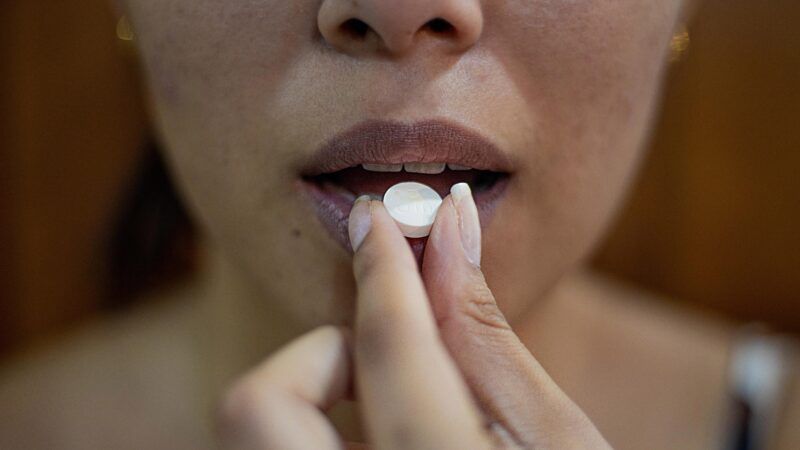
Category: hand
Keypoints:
(434, 361)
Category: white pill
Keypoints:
(413, 207)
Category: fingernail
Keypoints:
(360, 221)
(469, 225)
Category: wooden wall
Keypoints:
(71, 122)
(713, 220)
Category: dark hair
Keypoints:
(152, 239)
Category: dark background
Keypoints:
(713, 221)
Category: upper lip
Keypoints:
(388, 142)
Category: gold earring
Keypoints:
(680, 44)
(124, 29)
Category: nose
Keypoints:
(396, 26)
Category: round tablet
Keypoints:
(413, 207)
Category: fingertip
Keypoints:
(385, 240)
(381, 216)
(443, 244)
(359, 222)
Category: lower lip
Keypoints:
(333, 211)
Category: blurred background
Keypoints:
(712, 223)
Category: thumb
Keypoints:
(511, 386)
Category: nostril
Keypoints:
(355, 27)
(439, 25)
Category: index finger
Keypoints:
(412, 394)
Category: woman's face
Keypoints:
(244, 93)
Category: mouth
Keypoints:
(374, 156)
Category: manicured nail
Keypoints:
(469, 224)
(360, 221)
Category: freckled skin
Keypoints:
(243, 91)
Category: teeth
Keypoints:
(383, 167)
(429, 168)
(457, 167)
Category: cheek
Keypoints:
(591, 72)
(590, 75)
(194, 50)
(215, 70)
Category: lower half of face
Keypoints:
(244, 94)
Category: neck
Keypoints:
(236, 327)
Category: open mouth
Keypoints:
(375, 179)
(371, 158)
